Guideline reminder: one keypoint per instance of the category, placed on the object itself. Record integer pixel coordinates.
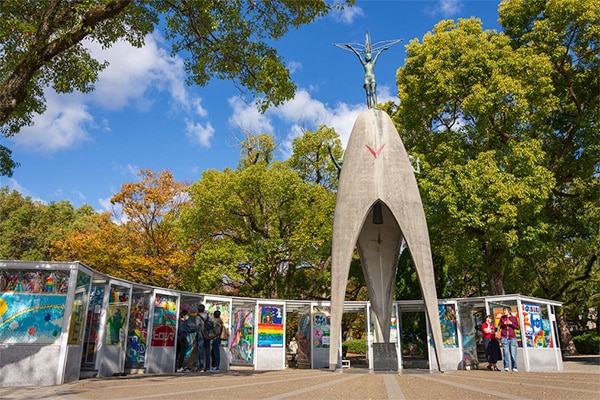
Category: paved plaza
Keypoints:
(579, 380)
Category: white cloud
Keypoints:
(196, 103)
(300, 114)
(447, 8)
(134, 77)
(348, 15)
(303, 109)
(62, 126)
(384, 94)
(79, 195)
(116, 211)
(13, 184)
(294, 66)
(105, 204)
(129, 171)
(247, 118)
(134, 73)
(74, 196)
(307, 113)
(199, 134)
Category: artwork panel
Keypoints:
(31, 318)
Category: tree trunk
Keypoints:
(496, 284)
(495, 259)
(566, 340)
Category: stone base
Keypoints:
(385, 357)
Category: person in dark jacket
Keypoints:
(183, 332)
(202, 340)
(215, 343)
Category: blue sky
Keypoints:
(142, 115)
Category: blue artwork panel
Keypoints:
(31, 318)
(448, 325)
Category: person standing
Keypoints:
(215, 342)
(183, 332)
(202, 343)
(293, 348)
(490, 343)
(508, 324)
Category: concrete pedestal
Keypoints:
(385, 357)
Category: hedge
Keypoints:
(587, 342)
(356, 346)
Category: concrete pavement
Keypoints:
(579, 380)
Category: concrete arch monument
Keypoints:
(378, 207)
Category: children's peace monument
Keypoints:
(378, 209)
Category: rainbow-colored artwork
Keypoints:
(31, 318)
(34, 281)
(394, 330)
(270, 327)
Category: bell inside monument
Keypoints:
(377, 214)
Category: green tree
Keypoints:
(311, 157)
(506, 125)
(259, 230)
(41, 45)
(28, 227)
(469, 103)
(567, 33)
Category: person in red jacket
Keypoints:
(508, 324)
(490, 343)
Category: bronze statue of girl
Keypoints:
(368, 63)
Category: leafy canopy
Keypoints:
(41, 45)
(260, 230)
(506, 126)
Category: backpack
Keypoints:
(208, 330)
(224, 333)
